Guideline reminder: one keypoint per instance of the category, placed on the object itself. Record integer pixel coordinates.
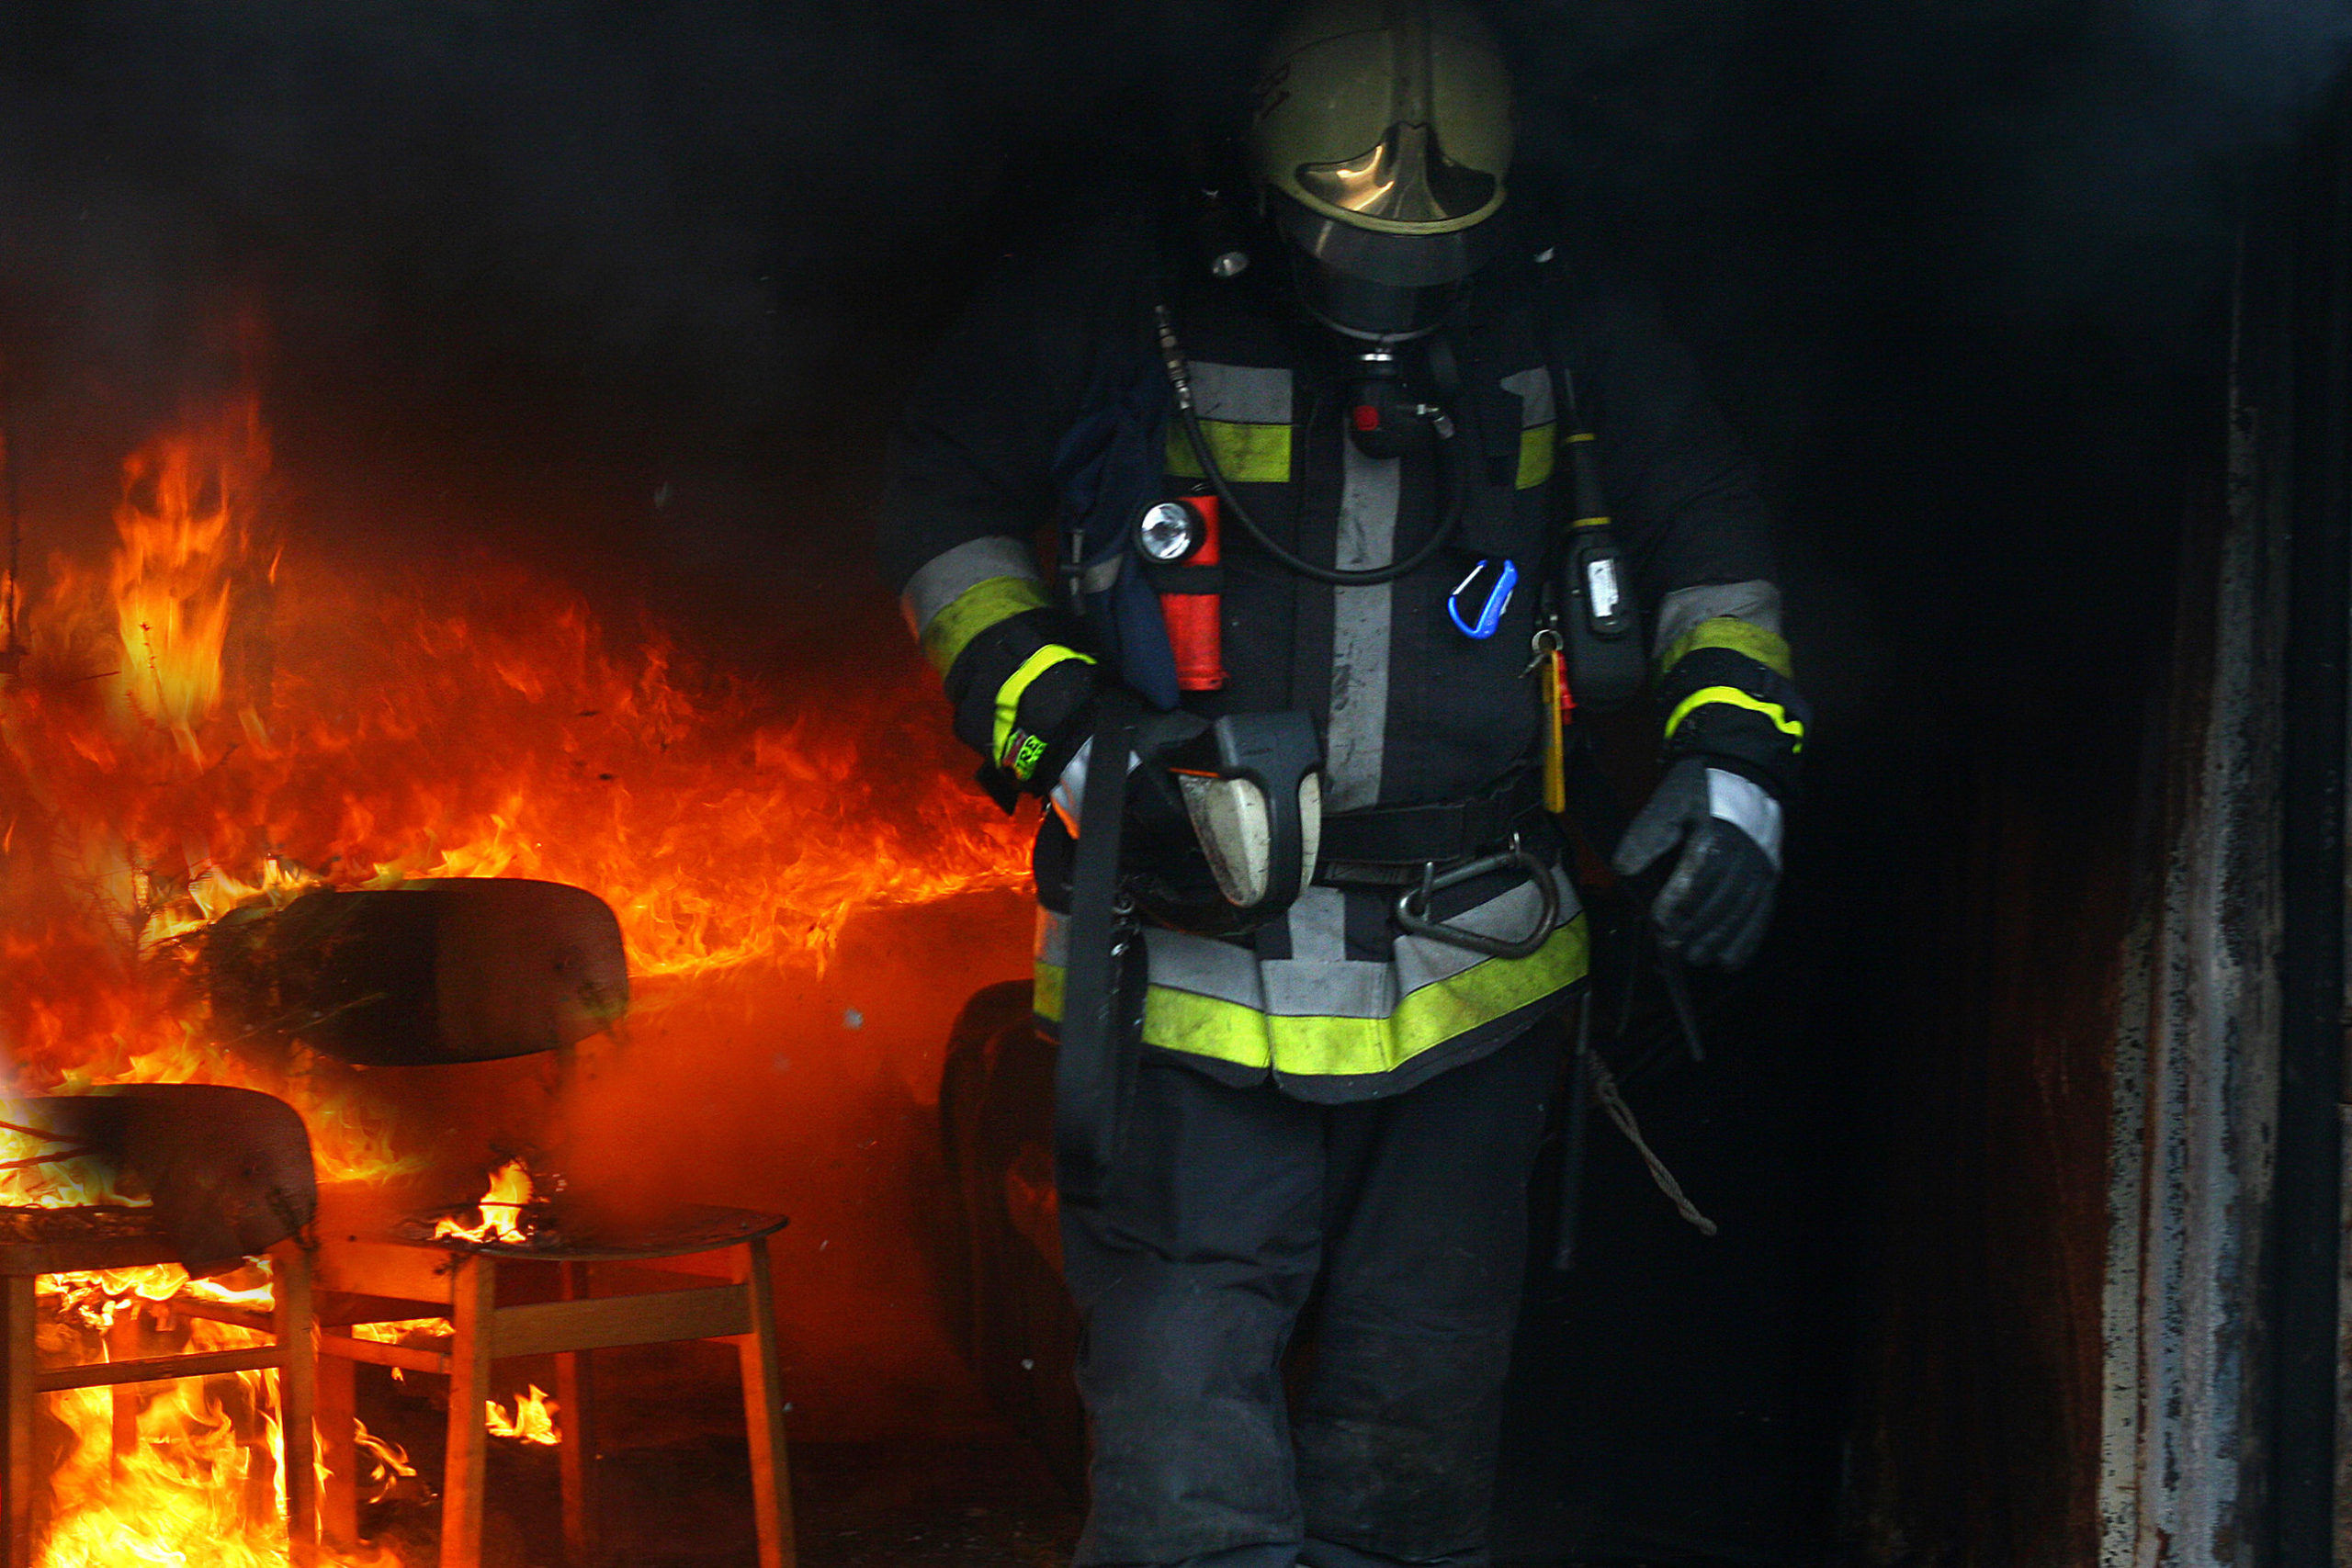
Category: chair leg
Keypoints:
(16, 1309)
(338, 1428)
(763, 1412)
(126, 1341)
(467, 1469)
(575, 1397)
(291, 1324)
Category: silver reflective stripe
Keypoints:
(1369, 493)
(1423, 961)
(1310, 988)
(1534, 389)
(948, 577)
(1316, 987)
(1756, 602)
(1743, 803)
(1243, 394)
(1318, 926)
(1296, 988)
(1318, 978)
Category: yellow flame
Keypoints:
(199, 1484)
(501, 1212)
(533, 1421)
(403, 1331)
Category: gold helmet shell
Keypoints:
(1384, 129)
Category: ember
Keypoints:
(209, 723)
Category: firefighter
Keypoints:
(1353, 471)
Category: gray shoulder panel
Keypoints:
(1756, 602)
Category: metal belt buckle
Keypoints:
(1416, 922)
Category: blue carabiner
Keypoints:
(1491, 606)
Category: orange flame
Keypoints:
(389, 1460)
(208, 722)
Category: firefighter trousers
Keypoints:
(1389, 1234)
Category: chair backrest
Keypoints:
(460, 969)
(229, 1168)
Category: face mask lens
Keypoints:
(1362, 307)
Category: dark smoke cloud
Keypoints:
(708, 203)
(2056, 148)
(668, 192)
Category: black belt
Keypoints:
(1389, 844)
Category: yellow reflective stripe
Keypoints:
(1738, 699)
(1246, 454)
(1535, 448)
(974, 611)
(1348, 1047)
(1767, 648)
(1008, 696)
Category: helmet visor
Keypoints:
(1405, 177)
(1399, 261)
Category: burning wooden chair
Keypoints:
(473, 970)
(379, 1276)
(229, 1172)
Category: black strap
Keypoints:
(1094, 1070)
(1416, 835)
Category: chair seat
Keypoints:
(76, 1241)
(690, 1228)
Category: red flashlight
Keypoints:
(1179, 539)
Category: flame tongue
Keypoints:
(533, 1421)
(504, 1212)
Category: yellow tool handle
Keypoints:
(1555, 771)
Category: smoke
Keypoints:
(619, 193)
(704, 213)
(2118, 164)
(2029, 158)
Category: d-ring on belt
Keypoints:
(1425, 850)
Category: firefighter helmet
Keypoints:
(1383, 129)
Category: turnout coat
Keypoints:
(1334, 1001)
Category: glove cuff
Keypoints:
(1024, 699)
(1737, 713)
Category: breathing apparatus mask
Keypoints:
(1379, 295)
(1381, 139)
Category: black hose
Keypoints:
(1369, 577)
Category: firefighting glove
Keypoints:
(1717, 898)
